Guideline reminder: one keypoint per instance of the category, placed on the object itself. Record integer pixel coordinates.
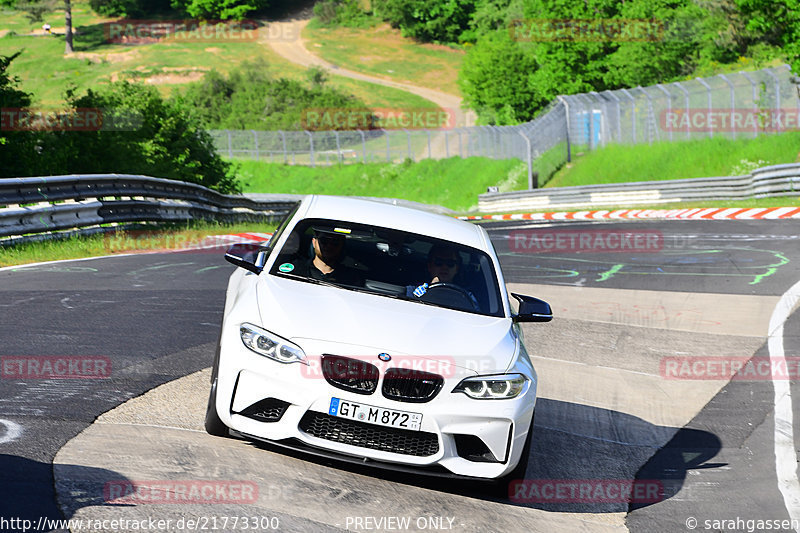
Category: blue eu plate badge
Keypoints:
(334, 408)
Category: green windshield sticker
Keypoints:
(286, 267)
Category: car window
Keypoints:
(390, 263)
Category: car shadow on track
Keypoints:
(26, 493)
(575, 444)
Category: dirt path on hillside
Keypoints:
(285, 37)
(287, 41)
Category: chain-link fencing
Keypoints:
(741, 105)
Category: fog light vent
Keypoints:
(267, 410)
(473, 449)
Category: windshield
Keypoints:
(390, 263)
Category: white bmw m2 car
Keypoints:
(377, 334)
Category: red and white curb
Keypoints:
(220, 241)
(698, 213)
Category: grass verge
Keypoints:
(454, 183)
(687, 159)
(148, 238)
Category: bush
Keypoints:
(161, 139)
(250, 99)
(218, 9)
(141, 133)
(346, 13)
(128, 8)
(426, 20)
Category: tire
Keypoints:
(214, 425)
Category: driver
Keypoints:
(443, 264)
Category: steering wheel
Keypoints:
(441, 286)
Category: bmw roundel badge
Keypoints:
(385, 357)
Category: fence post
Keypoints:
(430, 154)
(408, 144)
(619, 115)
(388, 148)
(669, 105)
(338, 147)
(589, 112)
(446, 144)
(285, 154)
(363, 146)
(753, 85)
(255, 142)
(777, 91)
(565, 101)
(311, 147)
(531, 185)
(733, 101)
(230, 145)
(688, 116)
(633, 113)
(650, 116)
(498, 144)
(708, 93)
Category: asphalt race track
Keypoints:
(634, 302)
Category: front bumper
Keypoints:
(444, 438)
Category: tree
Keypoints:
(68, 26)
(17, 148)
(426, 20)
(219, 9)
(141, 133)
(775, 22)
(495, 80)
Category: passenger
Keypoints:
(326, 265)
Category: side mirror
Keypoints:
(248, 256)
(532, 309)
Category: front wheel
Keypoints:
(519, 470)
(214, 425)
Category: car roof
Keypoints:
(383, 214)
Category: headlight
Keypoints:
(270, 345)
(498, 387)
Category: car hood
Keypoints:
(323, 319)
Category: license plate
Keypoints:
(375, 415)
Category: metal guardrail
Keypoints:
(777, 180)
(30, 206)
